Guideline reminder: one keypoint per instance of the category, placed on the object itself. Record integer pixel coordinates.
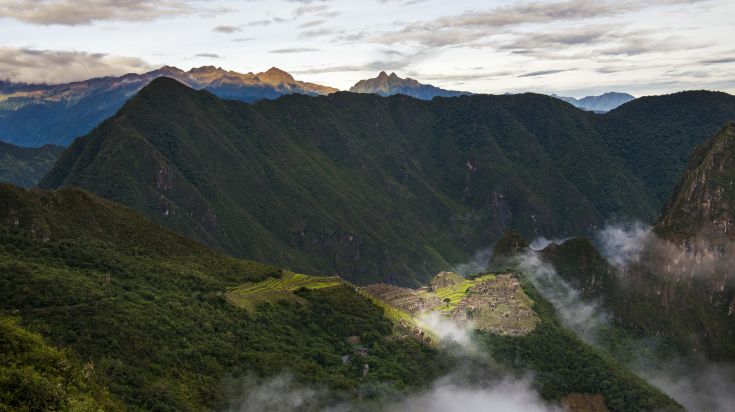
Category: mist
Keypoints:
(694, 382)
(633, 244)
(451, 394)
(475, 384)
(458, 391)
(582, 317)
(477, 264)
(623, 243)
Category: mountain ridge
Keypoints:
(33, 115)
(388, 85)
(26, 166)
(602, 103)
(206, 168)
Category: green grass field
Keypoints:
(249, 295)
(457, 292)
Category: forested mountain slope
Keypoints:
(371, 187)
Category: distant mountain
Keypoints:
(25, 166)
(373, 187)
(388, 85)
(602, 103)
(33, 115)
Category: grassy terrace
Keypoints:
(457, 292)
(248, 295)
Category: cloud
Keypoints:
(474, 25)
(479, 260)
(282, 393)
(83, 12)
(55, 66)
(255, 23)
(697, 385)
(450, 332)
(226, 29)
(448, 394)
(208, 55)
(583, 317)
(312, 23)
(305, 9)
(294, 50)
(623, 243)
(279, 393)
(317, 32)
(543, 72)
(719, 61)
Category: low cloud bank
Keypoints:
(632, 245)
(455, 392)
(697, 384)
(446, 394)
(474, 385)
(583, 317)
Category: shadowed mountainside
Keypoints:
(361, 185)
(26, 166)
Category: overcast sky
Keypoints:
(573, 47)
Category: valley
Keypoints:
(367, 206)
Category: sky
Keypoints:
(568, 47)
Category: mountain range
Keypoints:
(123, 284)
(388, 85)
(602, 103)
(380, 188)
(37, 114)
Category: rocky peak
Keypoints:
(703, 202)
(510, 244)
(276, 75)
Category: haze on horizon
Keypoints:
(570, 47)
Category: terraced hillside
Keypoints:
(250, 294)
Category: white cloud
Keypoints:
(53, 66)
(80, 12)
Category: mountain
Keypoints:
(110, 310)
(602, 103)
(33, 115)
(677, 283)
(356, 184)
(157, 319)
(703, 202)
(25, 166)
(388, 85)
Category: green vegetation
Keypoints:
(456, 291)
(249, 295)
(23, 166)
(37, 377)
(380, 189)
(147, 307)
(563, 364)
